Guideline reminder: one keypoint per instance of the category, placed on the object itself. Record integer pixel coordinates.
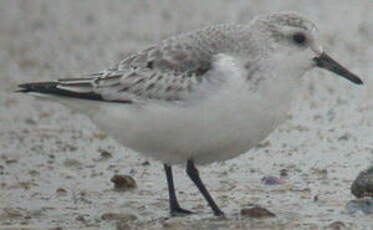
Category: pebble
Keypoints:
(273, 180)
(30, 121)
(11, 161)
(61, 191)
(100, 135)
(33, 172)
(106, 154)
(363, 184)
(123, 217)
(145, 163)
(284, 173)
(72, 163)
(337, 225)
(123, 182)
(364, 205)
(256, 212)
(81, 218)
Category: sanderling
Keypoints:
(200, 97)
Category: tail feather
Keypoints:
(54, 88)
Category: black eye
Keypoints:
(299, 38)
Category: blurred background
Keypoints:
(53, 172)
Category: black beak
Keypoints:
(326, 62)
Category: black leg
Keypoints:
(194, 176)
(174, 204)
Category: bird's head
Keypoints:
(291, 37)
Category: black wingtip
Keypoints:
(359, 81)
(51, 88)
(22, 88)
(40, 87)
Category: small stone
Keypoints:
(72, 163)
(344, 137)
(256, 212)
(81, 218)
(145, 163)
(123, 182)
(284, 173)
(30, 121)
(12, 213)
(26, 184)
(11, 161)
(337, 225)
(273, 180)
(100, 135)
(124, 217)
(364, 205)
(263, 145)
(105, 154)
(34, 172)
(363, 184)
(61, 191)
(109, 216)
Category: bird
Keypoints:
(200, 97)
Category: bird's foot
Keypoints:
(219, 213)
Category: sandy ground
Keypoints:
(52, 174)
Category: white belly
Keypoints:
(216, 128)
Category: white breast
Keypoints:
(228, 120)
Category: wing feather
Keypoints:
(167, 71)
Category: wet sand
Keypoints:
(56, 166)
